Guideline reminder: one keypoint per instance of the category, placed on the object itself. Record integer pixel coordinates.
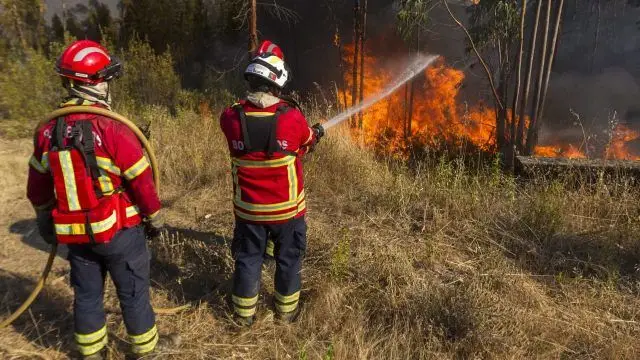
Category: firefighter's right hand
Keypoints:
(318, 130)
(44, 220)
(153, 227)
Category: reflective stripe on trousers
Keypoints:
(126, 259)
(249, 246)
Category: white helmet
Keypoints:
(271, 68)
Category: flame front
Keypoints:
(440, 120)
(436, 119)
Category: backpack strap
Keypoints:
(245, 129)
(271, 145)
(89, 149)
(57, 140)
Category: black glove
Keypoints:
(44, 220)
(153, 227)
(319, 131)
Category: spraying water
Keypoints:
(419, 64)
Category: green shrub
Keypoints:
(148, 79)
(29, 89)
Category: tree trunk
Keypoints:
(343, 72)
(405, 126)
(363, 34)
(527, 84)
(337, 41)
(552, 53)
(412, 91)
(356, 54)
(253, 27)
(503, 86)
(516, 95)
(596, 39)
(531, 133)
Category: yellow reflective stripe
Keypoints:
(145, 348)
(69, 180)
(302, 206)
(132, 211)
(310, 137)
(240, 301)
(293, 182)
(106, 185)
(108, 165)
(286, 308)
(143, 338)
(244, 312)
(265, 163)
(87, 350)
(37, 165)
(260, 113)
(260, 207)
(79, 229)
(270, 207)
(236, 182)
(271, 247)
(91, 338)
(285, 299)
(278, 217)
(137, 169)
(153, 215)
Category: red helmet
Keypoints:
(89, 62)
(267, 47)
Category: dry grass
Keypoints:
(436, 262)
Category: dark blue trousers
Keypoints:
(248, 248)
(126, 259)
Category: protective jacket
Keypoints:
(91, 170)
(267, 143)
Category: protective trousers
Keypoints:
(249, 245)
(126, 259)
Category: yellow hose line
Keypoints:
(54, 248)
(25, 305)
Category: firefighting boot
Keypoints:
(288, 317)
(166, 345)
(242, 321)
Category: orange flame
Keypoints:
(618, 147)
(439, 117)
(436, 117)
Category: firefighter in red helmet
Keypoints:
(267, 136)
(93, 190)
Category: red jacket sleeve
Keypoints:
(40, 182)
(128, 156)
(306, 134)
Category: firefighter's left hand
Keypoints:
(44, 220)
(153, 227)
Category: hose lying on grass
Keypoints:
(54, 248)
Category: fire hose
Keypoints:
(54, 248)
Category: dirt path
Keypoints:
(22, 257)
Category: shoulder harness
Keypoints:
(259, 132)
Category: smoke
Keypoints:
(582, 105)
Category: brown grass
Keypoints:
(436, 262)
